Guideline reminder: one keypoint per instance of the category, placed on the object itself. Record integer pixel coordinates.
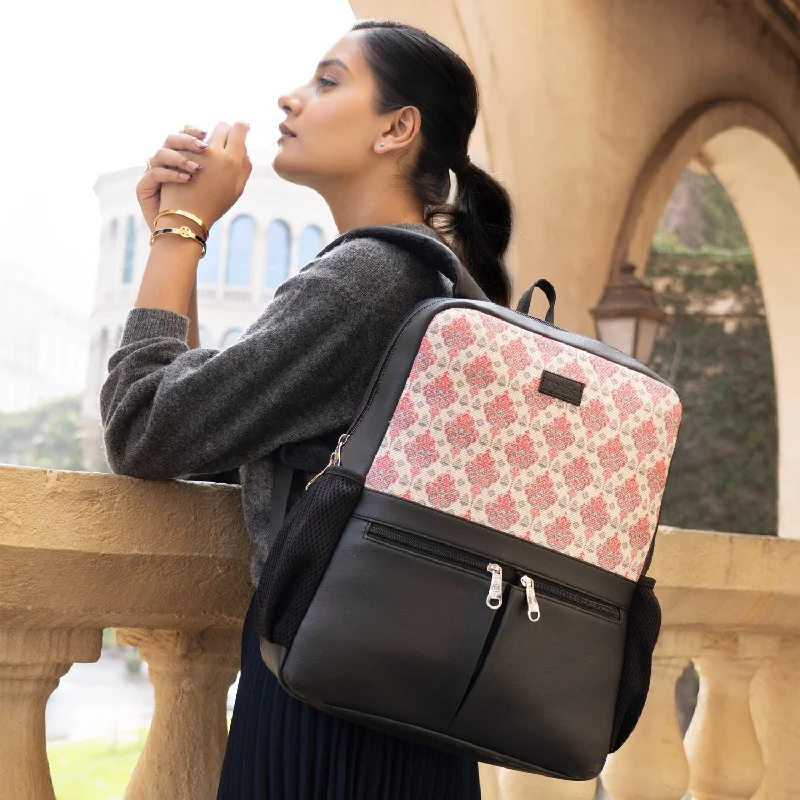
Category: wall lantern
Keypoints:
(627, 316)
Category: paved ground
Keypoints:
(102, 701)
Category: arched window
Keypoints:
(206, 339)
(310, 245)
(208, 268)
(278, 251)
(130, 250)
(103, 354)
(230, 337)
(240, 251)
(112, 237)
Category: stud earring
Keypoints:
(383, 144)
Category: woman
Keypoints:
(387, 112)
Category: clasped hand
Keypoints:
(187, 173)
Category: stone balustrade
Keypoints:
(165, 562)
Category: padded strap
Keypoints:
(281, 483)
(426, 249)
(311, 455)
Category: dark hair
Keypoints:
(412, 68)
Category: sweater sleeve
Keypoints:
(169, 411)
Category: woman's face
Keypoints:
(336, 132)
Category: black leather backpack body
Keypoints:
(469, 569)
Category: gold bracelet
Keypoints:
(184, 231)
(182, 213)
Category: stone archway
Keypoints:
(759, 166)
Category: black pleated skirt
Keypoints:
(280, 748)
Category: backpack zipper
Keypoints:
(544, 586)
(335, 459)
(530, 594)
(336, 455)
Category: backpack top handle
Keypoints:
(524, 304)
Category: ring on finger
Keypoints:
(149, 166)
(184, 129)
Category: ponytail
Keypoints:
(478, 225)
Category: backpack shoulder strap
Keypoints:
(309, 456)
(281, 484)
(426, 249)
(313, 454)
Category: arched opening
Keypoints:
(240, 251)
(758, 165)
(111, 249)
(102, 356)
(714, 347)
(208, 268)
(230, 337)
(206, 337)
(130, 250)
(278, 254)
(310, 244)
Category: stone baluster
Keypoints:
(775, 705)
(32, 662)
(490, 790)
(652, 762)
(724, 755)
(515, 785)
(191, 674)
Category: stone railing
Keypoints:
(165, 562)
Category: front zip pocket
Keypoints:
(443, 552)
(464, 558)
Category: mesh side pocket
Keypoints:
(303, 547)
(644, 623)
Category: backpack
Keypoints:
(468, 570)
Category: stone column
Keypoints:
(32, 662)
(724, 755)
(775, 705)
(191, 674)
(652, 762)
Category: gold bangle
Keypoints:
(182, 213)
(184, 231)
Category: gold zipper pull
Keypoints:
(496, 586)
(335, 459)
(530, 593)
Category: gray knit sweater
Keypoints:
(299, 371)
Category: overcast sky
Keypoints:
(89, 87)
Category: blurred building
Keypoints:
(43, 346)
(273, 230)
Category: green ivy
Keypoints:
(46, 436)
(723, 474)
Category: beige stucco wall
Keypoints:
(586, 104)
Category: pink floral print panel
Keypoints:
(472, 436)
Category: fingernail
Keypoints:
(201, 144)
(193, 165)
(185, 176)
